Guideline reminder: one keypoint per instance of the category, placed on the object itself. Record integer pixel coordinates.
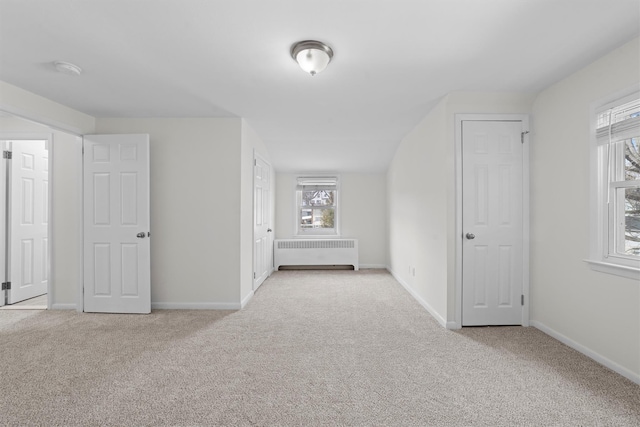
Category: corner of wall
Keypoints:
(27, 105)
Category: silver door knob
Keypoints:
(470, 236)
(141, 235)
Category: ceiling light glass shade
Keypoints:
(312, 56)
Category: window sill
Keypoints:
(615, 269)
(316, 236)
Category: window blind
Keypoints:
(618, 123)
(317, 183)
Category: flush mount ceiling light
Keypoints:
(67, 68)
(312, 56)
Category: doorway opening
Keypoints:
(24, 222)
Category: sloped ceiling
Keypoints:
(230, 58)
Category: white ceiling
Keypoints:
(230, 58)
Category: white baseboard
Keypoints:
(56, 306)
(22, 307)
(417, 297)
(195, 306)
(587, 352)
(246, 299)
(372, 266)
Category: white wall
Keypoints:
(67, 219)
(285, 202)
(362, 212)
(195, 209)
(363, 215)
(417, 184)
(251, 143)
(596, 312)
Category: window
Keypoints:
(617, 134)
(317, 206)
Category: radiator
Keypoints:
(316, 252)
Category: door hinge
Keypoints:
(521, 299)
(7, 155)
(6, 286)
(254, 275)
(522, 134)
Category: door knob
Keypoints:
(140, 235)
(470, 236)
(269, 230)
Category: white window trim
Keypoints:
(315, 233)
(599, 258)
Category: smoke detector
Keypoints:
(67, 68)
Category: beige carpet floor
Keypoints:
(327, 348)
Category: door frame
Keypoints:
(56, 125)
(3, 224)
(49, 138)
(459, 118)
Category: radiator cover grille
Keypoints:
(316, 244)
(316, 252)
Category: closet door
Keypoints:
(492, 220)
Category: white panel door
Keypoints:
(117, 261)
(262, 247)
(28, 220)
(492, 221)
(3, 209)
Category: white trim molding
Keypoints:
(615, 269)
(373, 266)
(632, 376)
(195, 306)
(453, 325)
(79, 172)
(61, 306)
(417, 297)
(246, 299)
